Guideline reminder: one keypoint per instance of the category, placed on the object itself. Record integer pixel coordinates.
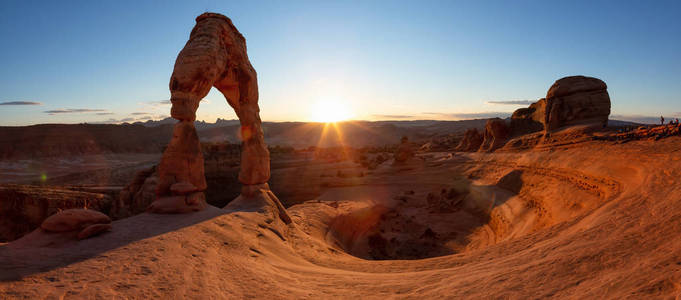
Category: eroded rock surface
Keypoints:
(404, 151)
(573, 100)
(23, 208)
(471, 141)
(182, 161)
(85, 222)
(214, 56)
(138, 195)
(496, 134)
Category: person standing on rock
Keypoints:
(662, 120)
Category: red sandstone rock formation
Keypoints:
(214, 56)
(404, 151)
(577, 100)
(471, 141)
(137, 195)
(496, 134)
(86, 222)
(23, 208)
(569, 101)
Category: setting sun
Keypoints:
(329, 111)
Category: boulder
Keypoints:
(496, 134)
(74, 219)
(574, 100)
(577, 100)
(471, 141)
(572, 85)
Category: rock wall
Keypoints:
(471, 142)
(496, 134)
(24, 207)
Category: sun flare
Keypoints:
(329, 112)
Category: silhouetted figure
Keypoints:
(662, 120)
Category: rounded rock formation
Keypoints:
(577, 100)
(85, 222)
(573, 100)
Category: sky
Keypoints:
(110, 61)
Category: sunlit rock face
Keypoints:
(573, 100)
(214, 56)
(577, 100)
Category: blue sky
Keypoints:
(110, 61)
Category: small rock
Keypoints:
(74, 219)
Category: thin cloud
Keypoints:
(159, 102)
(139, 113)
(73, 110)
(468, 116)
(20, 103)
(104, 113)
(392, 116)
(511, 102)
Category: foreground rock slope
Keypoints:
(564, 223)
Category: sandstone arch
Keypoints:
(214, 56)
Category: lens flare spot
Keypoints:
(246, 133)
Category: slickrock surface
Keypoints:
(591, 221)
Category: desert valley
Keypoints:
(558, 200)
